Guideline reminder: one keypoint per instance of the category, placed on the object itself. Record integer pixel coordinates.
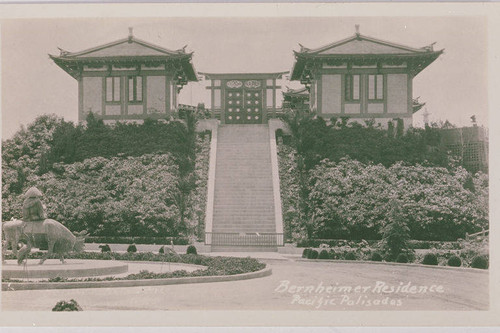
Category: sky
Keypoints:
(454, 87)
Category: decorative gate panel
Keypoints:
(234, 106)
(243, 102)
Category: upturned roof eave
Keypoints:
(121, 58)
(361, 37)
(366, 55)
(125, 40)
(187, 66)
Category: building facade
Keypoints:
(128, 79)
(244, 98)
(362, 78)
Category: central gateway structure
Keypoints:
(244, 98)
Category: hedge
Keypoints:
(215, 265)
(137, 240)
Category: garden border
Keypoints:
(15, 286)
(470, 269)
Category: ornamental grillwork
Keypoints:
(252, 84)
(234, 84)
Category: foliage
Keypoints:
(137, 240)
(313, 254)
(454, 261)
(396, 234)
(72, 305)
(127, 179)
(214, 265)
(335, 242)
(430, 259)
(324, 255)
(191, 249)
(314, 139)
(305, 253)
(438, 245)
(132, 248)
(376, 256)
(336, 180)
(402, 258)
(161, 250)
(351, 200)
(105, 248)
(350, 256)
(480, 262)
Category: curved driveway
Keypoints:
(294, 285)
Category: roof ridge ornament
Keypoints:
(357, 30)
(429, 47)
(62, 52)
(303, 48)
(130, 34)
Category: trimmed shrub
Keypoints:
(454, 261)
(480, 262)
(332, 254)
(313, 254)
(402, 258)
(430, 259)
(105, 248)
(191, 250)
(376, 256)
(131, 248)
(72, 305)
(162, 249)
(350, 256)
(305, 253)
(324, 255)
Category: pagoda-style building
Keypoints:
(297, 99)
(362, 78)
(128, 79)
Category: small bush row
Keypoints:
(413, 244)
(479, 261)
(137, 240)
(132, 248)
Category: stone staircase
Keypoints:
(244, 214)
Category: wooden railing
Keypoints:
(243, 239)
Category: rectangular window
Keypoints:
(269, 98)
(135, 89)
(216, 83)
(113, 89)
(217, 98)
(269, 83)
(352, 87)
(376, 87)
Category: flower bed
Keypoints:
(216, 266)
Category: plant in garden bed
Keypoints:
(480, 262)
(376, 257)
(454, 261)
(191, 250)
(132, 248)
(313, 254)
(430, 259)
(215, 265)
(396, 233)
(402, 258)
(324, 255)
(72, 305)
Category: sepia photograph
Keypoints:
(301, 164)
